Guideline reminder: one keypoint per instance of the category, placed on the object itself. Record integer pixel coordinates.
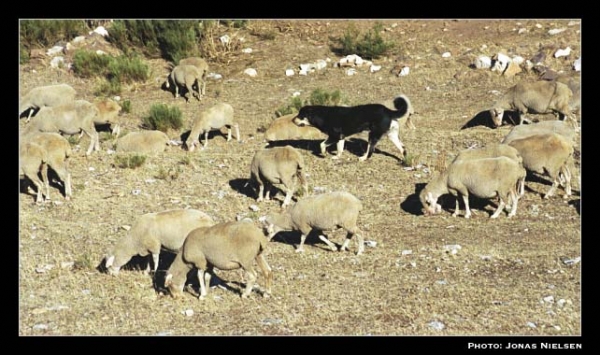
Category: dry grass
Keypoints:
(494, 285)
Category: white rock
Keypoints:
(251, 72)
(247, 50)
(126, 227)
(406, 252)
(101, 31)
(522, 30)
(303, 72)
(188, 312)
(40, 327)
(572, 261)
(117, 98)
(262, 219)
(100, 52)
(371, 243)
(91, 168)
(549, 299)
(78, 39)
(56, 62)
(136, 192)
(561, 302)
(562, 52)
(556, 31)
(225, 39)
(373, 68)
(483, 62)
(446, 55)
(296, 93)
(254, 208)
(305, 67)
(537, 25)
(404, 71)
(54, 50)
(66, 264)
(573, 23)
(577, 64)
(531, 325)
(502, 61)
(518, 60)
(320, 64)
(452, 248)
(289, 72)
(350, 71)
(358, 61)
(436, 325)
(214, 76)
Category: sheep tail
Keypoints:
(402, 105)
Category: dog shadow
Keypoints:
(484, 118)
(304, 144)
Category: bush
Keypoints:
(369, 46)
(162, 117)
(108, 88)
(123, 68)
(46, 33)
(317, 97)
(129, 161)
(126, 106)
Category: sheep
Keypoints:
(152, 232)
(32, 161)
(108, 112)
(554, 126)
(324, 212)
(282, 128)
(574, 83)
(214, 118)
(187, 76)
(278, 165)
(547, 154)
(58, 150)
(483, 178)
(143, 142)
(70, 118)
(45, 96)
(202, 65)
(534, 97)
(225, 246)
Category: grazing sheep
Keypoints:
(483, 178)
(547, 154)
(215, 118)
(143, 142)
(543, 127)
(70, 118)
(155, 231)
(45, 96)
(324, 212)
(534, 97)
(58, 150)
(202, 65)
(108, 114)
(574, 83)
(278, 165)
(185, 76)
(282, 128)
(225, 246)
(32, 161)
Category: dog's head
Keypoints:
(302, 118)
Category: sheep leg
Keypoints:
(332, 246)
(501, 205)
(237, 131)
(552, 188)
(515, 199)
(261, 190)
(202, 281)
(456, 209)
(228, 133)
(360, 241)
(205, 143)
(288, 197)
(301, 246)
(467, 209)
(267, 273)
(45, 179)
(251, 274)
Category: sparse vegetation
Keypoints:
(369, 45)
(126, 106)
(129, 161)
(317, 97)
(162, 118)
(46, 33)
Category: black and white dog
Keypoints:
(339, 122)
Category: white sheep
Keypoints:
(278, 165)
(143, 142)
(153, 232)
(534, 97)
(32, 161)
(282, 128)
(70, 118)
(45, 96)
(547, 154)
(185, 76)
(225, 246)
(483, 178)
(542, 127)
(324, 212)
(574, 83)
(202, 65)
(214, 118)
(108, 114)
(58, 150)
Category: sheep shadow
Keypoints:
(211, 134)
(577, 205)
(484, 118)
(292, 238)
(244, 186)
(412, 203)
(304, 144)
(183, 91)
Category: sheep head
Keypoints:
(497, 115)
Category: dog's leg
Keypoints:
(340, 149)
(374, 137)
(366, 155)
(324, 144)
(393, 136)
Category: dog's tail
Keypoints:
(404, 109)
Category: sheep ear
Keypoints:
(109, 261)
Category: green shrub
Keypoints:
(124, 69)
(317, 97)
(126, 106)
(129, 161)
(162, 117)
(46, 33)
(369, 46)
(128, 69)
(23, 54)
(88, 64)
(108, 88)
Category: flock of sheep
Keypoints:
(497, 170)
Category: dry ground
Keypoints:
(495, 285)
